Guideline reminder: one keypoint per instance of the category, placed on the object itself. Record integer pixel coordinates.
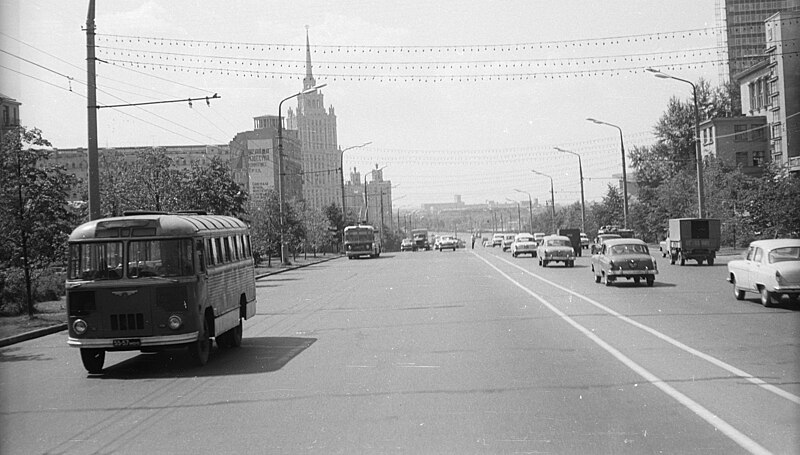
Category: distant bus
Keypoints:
(149, 281)
(360, 241)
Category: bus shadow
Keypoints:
(254, 356)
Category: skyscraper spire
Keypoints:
(308, 81)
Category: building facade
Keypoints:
(742, 40)
(10, 108)
(771, 88)
(737, 141)
(321, 157)
(376, 207)
(254, 160)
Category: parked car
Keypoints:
(769, 267)
(598, 242)
(448, 243)
(624, 258)
(556, 248)
(497, 240)
(585, 241)
(523, 244)
(407, 245)
(508, 239)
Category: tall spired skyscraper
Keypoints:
(321, 157)
(741, 39)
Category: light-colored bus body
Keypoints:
(158, 280)
(361, 241)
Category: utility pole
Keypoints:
(91, 107)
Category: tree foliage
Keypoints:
(35, 218)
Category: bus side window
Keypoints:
(209, 252)
(201, 256)
(235, 240)
(218, 258)
(248, 249)
(227, 241)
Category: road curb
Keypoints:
(8, 341)
(295, 267)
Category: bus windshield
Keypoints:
(95, 261)
(164, 258)
(145, 258)
(359, 235)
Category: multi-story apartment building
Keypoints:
(771, 88)
(742, 39)
(321, 157)
(738, 141)
(254, 160)
(376, 207)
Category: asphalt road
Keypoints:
(470, 351)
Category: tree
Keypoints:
(316, 229)
(35, 219)
(266, 227)
(770, 201)
(210, 187)
(336, 222)
(610, 210)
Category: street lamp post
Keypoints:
(341, 169)
(284, 252)
(552, 198)
(580, 171)
(624, 171)
(697, 152)
(530, 206)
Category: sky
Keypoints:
(455, 97)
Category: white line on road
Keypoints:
(719, 424)
(725, 366)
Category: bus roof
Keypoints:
(155, 224)
(360, 226)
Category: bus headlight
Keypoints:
(80, 326)
(175, 322)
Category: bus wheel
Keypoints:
(93, 360)
(200, 349)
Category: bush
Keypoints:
(45, 286)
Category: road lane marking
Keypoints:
(713, 360)
(727, 429)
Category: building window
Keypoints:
(757, 132)
(751, 87)
(776, 131)
(758, 158)
(741, 158)
(740, 133)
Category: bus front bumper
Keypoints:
(131, 343)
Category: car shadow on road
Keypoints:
(631, 284)
(254, 356)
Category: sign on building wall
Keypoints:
(261, 167)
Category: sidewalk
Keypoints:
(57, 326)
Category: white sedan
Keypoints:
(769, 267)
(523, 244)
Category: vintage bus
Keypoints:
(155, 280)
(361, 240)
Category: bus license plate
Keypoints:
(128, 343)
